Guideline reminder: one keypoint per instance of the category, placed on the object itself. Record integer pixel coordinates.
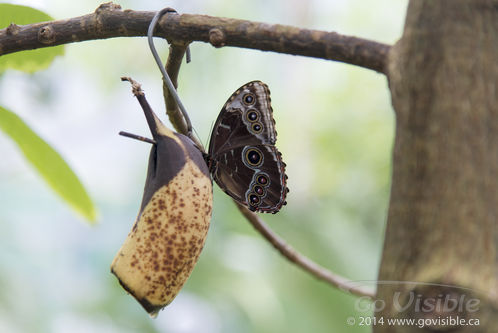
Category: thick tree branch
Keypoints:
(110, 21)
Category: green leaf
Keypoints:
(49, 164)
(32, 60)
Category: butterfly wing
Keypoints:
(253, 175)
(246, 118)
(243, 158)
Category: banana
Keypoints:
(166, 240)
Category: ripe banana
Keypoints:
(166, 240)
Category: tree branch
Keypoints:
(110, 21)
(175, 57)
(302, 261)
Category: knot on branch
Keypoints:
(13, 29)
(108, 6)
(217, 37)
(46, 35)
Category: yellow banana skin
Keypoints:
(166, 240)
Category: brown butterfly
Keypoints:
(242, 156)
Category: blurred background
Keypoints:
(335, 130)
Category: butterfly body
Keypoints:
(242, 157)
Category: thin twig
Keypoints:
(110, 21)
(302, 261)
(175, 57)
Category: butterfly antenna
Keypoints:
(196, 133)
(206, 143)
(166, 77)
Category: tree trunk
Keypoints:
(441, 230)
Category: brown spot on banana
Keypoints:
(165, 242)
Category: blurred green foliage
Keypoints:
(50, 165)
(335, 130)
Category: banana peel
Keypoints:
(166, 240)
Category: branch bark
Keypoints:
(443, 215)
(110, 21)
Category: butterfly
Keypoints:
(242, 157)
